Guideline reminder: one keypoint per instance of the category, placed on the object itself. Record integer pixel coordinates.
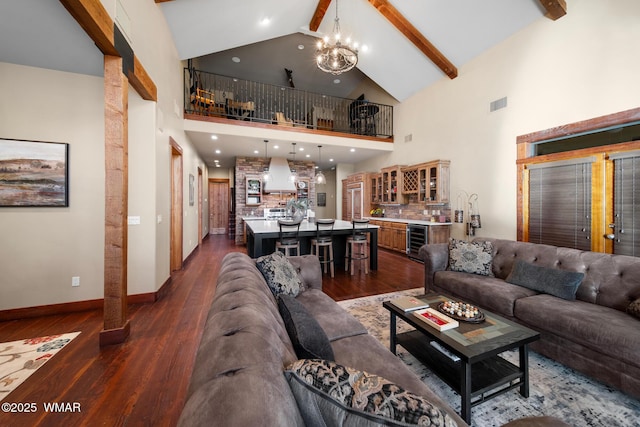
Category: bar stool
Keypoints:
(357, 246)
(323, 240)
(288, 237)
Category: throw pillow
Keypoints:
(560, 283)
(331, 394)
(308, 338)
(471, 257)
(634, 308)
(280, 274)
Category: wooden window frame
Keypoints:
(602, 172)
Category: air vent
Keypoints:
(498, 104)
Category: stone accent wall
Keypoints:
(253, 166)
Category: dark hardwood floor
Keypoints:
(143, 382)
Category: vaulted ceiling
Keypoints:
(409, 44)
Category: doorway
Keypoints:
(219, 206)
(175, 257)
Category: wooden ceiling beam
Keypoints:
(410, 32)
(99, 26)
(318, 15)
(555, 8)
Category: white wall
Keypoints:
(579, 67)
(42, 248)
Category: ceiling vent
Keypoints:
(280, 173)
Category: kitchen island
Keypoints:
(262, 236)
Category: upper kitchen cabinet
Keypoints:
(254, 190)
(376, 188)
(392, 185)
(430, 181)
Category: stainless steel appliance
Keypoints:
(275, 213)
(417, 235)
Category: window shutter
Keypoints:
(560, 203)
(626, 201)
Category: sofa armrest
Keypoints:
(308, 267)
(436, 258)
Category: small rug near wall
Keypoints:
(555, 390)
(20, 359)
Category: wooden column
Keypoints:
(116, 324)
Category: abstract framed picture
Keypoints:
(34, 173)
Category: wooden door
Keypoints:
(218, 206)
(175, 257)
(357, 202)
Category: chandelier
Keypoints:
(332, 55)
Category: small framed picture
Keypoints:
(191, 190)
(322, 199)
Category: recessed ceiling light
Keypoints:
(308, 155)
(331, 160)
(214, 137)
(365, 48)
(216, 160)
(336, 81)
(301, 47)
(353, 150)
(276, 146)
(217, 165)
(301, 149)
(235, 59)
(255, 151)
(218, 151)
(265, 21)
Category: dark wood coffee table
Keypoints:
(473, 367)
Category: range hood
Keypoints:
(280, 173)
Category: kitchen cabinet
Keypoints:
(391, 235)
(375, 180)
(392, 185)
(430, 181)
(302, 189)
(439, 233)
(254, 190)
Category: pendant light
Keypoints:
(266, 175)
(320, 178)
(294, 175)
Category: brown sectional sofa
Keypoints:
(238, 375)
(592, 334)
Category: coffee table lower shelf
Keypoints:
(490, 377)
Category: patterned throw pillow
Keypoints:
(634, 308)
(471, 257)
(343, 396)
(280, 274)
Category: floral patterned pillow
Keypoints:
(328, 391)
(471, 257)
(634, 308)
(280, 274)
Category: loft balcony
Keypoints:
(214, 97)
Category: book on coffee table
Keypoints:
(435, 319)
(409, 303)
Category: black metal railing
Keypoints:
(222, 96)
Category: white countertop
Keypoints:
(268, 226)
(407, 221)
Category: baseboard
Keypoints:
(76, 306)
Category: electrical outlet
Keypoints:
(425, 212)
(75, 281)
(399, 211)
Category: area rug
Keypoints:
(555, 390)
(20, 359)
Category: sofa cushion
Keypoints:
(552, 281)
(601, 329)
(280, 274)
(331, 394)
(487, 292)
(634, 308)
(336, 322)
(470, 257)
(307, 337)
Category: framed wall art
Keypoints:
(33, 173)
(191, 189)
(322, 199)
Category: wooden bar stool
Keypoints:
(323, 241)
(357, 246)
(288, 237)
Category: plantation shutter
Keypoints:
(560, 203)
(626, 202)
